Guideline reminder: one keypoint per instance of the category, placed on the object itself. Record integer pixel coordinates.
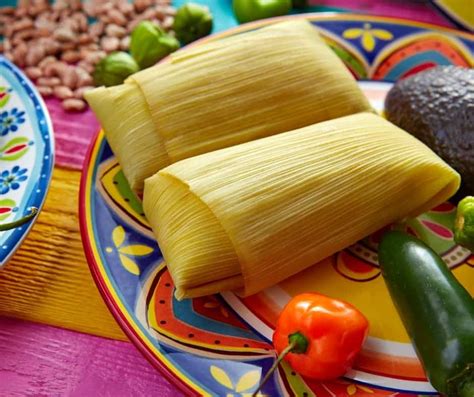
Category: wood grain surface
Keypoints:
(42, 361)
(48, 279)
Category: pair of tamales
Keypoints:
(304, 167)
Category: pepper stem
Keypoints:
(462, 385)
(298, 344)
(19, 222)
(467, 389)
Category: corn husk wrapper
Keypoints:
(224, 93)
(246, 217)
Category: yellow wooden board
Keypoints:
(48, 279)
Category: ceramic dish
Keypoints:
(26, 153)
(220, 345)
(458, 11)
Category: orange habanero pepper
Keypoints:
(319, 336)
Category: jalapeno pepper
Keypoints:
(438, 313)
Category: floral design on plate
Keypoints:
(127, 252)
(26, 153)
(368, 35)
(12, 179)
(11, 120)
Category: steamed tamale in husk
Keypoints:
(223, 93)
(246, 217)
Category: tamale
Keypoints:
(246, 217)
(222, 93)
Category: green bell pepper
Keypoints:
(464, 224)
(251, 10)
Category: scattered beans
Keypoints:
(34, 72)
(167, 23)
(97, 29)
(35, 55)
(73, 105)
(46, 61)
(62, 92)
(110, 44)
(44, 91)
(85, 38)
(59, 50)
(69, 77)
(70, 56)
(84, 79)
(116, 17)
(19, 54)
(89, 68)
(79, 93)
(7, 11)
(64, 34)
(125, 43)
(48, 81)
(113, 30)
(54, 68)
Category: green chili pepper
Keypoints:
(114, 69)
(192, 21)
(464, 224)
(251, 10)
(149, 43)
(438, 313)
(19, 222)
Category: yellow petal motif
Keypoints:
(366, 389)
(381, 34)
(353, 33)
(351, 390)
(220, 376)
(118, 236)
(368, 41)
(247, 381)
(136, 250)
(130, 265)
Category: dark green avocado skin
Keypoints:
(437, 107)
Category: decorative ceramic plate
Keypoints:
(26, 153)
(221, 345)
(461, 12)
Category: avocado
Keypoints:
(437, 107)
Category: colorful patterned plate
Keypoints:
(26, 153)
(461, 12)
(220, 345)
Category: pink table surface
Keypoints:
(38, 360)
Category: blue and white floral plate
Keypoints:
(26, 154)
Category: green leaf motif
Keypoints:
(15, 148)
(6, 208)
(4, 96)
